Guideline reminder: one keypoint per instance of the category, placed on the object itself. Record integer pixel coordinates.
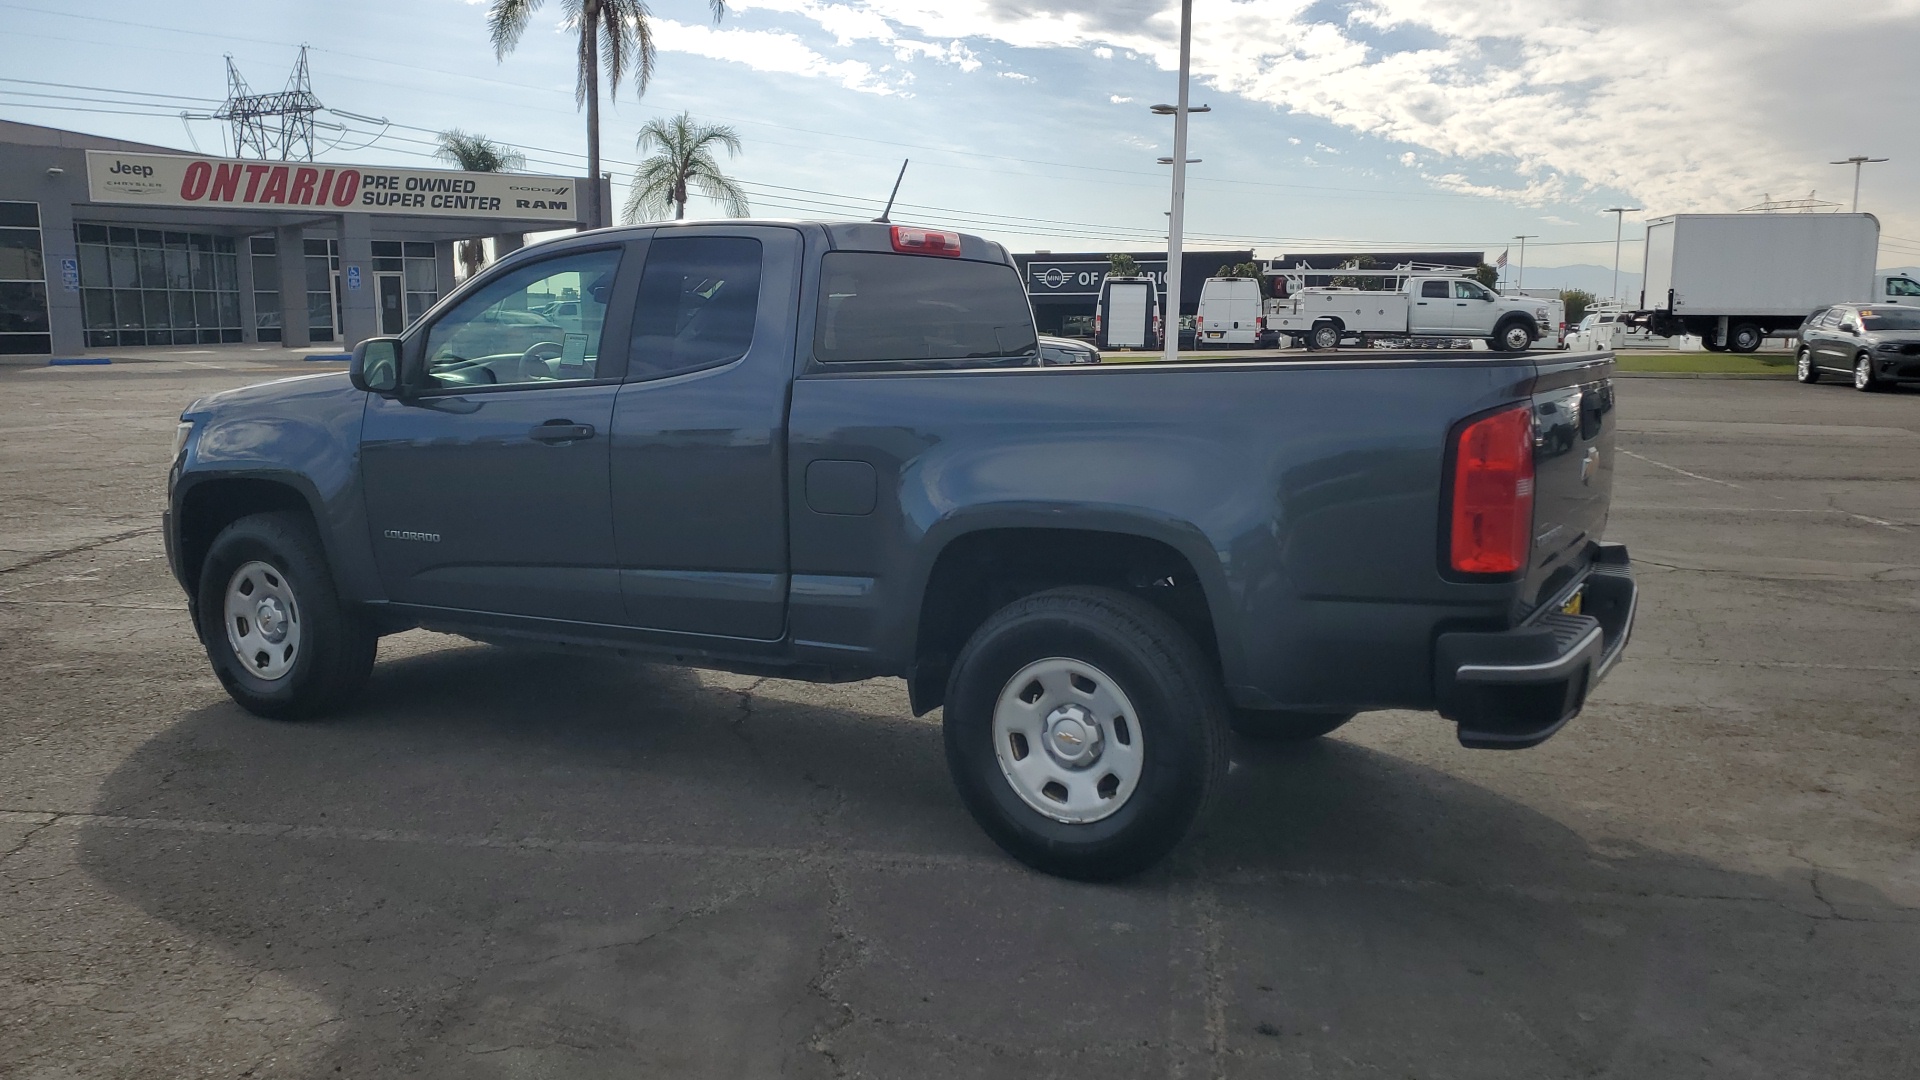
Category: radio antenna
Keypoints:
(886, 215)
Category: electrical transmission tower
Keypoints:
(271, 126)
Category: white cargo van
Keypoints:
(1128, 315)
(1230, 311)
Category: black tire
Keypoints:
(1259, 725)
(1324, 336)
(1804, 369)
(1514, 335)
(1745, 338)
(1865, 379)
(1707, 343)
(336, 644)
(1181, 718)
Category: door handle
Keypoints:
(556, 432)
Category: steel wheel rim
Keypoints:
(1860, 373)
(1068, 740)
(263, 621)
(1518, 338)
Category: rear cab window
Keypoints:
(900, 310)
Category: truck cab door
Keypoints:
(699, 433)
(1432, 307)
(1474, 311)
(486, 484)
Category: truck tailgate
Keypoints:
(1573, 469)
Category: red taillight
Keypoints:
(1492, 529)
(926, 241)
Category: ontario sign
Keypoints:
(184, 180)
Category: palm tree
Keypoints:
(476, 153)
(683, 158)
(613, 33)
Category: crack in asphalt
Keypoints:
(50, 556)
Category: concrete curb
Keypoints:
(1700, 375)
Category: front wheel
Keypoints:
(1086, 732)
(1513, 337)
(1803, 368)
(279, 638)
(1864, 377)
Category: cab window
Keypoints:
(1899, 286)
(878, 307)
(1434, 289)
(1467, 290)
(536, 325)
(699, 297)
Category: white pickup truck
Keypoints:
(1427, 308)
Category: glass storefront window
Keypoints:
(24, 326)
(157, 287)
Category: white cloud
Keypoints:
(951, 53)
(1103, 52)
(1015, 76)
(1118, 100)
(765, 50)
(1409, 159)
(1697, 105)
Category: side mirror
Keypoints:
(1849, 328)
(376, 366)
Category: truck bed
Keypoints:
(1307, 496)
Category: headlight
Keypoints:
(181, 434)
(1888, 346)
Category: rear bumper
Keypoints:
(1511, 689)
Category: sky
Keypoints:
(1335, 124)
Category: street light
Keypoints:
(1520, 270)
(1176, 222)
(1857, 161)
(1619, 214)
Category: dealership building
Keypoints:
(110, 244)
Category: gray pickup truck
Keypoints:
(830, 452)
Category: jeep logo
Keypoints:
(126, 169)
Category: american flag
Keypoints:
(1501, 262)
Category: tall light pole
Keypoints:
(1176, 222)
(1857, 161)
(1520, 268)
(1619, 214)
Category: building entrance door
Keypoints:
(393, 315)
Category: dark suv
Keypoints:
(1877, 346)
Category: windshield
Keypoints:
(1888, 319)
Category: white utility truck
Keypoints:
(1428, 306)
(1733, 279)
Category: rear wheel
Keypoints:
(1745, 338)
(279, 638)
(1285, 726)
(1864, 377)
(1324, 336)
(1803, 368)
(1086, 732)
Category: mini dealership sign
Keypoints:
(183, 180)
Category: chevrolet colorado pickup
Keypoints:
(830, 452)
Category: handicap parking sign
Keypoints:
(353, 277)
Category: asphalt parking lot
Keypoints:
(505, 865)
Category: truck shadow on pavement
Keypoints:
(516, 865)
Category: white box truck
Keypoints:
(1128, 314)
(1733, 279)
